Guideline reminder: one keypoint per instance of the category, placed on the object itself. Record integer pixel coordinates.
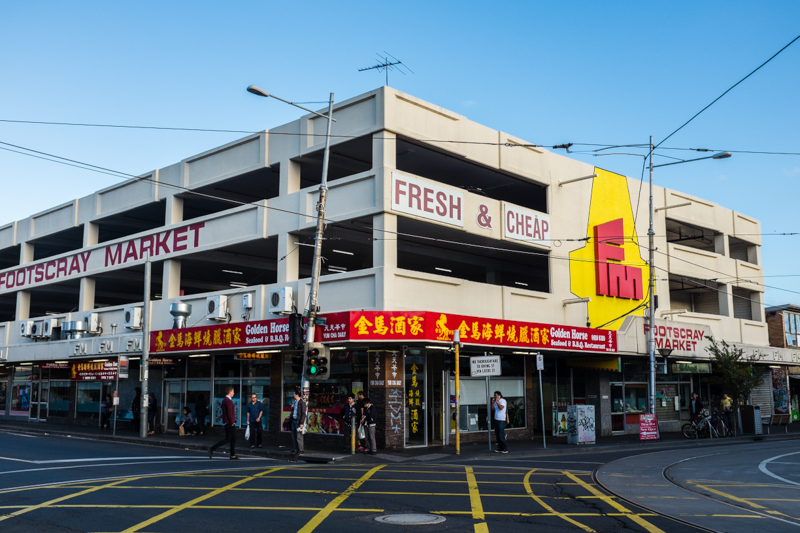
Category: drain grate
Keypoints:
(410, 519)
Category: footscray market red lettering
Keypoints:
(166, 242)
(676, 338)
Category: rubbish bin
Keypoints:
(751, 419)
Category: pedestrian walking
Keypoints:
(105, 414)
(500, 408)
(255, 411)
(727, 410)
(349, 419)
(136, 409)
(299, 414)
(152, 411)
(201, 412)
(370, 421)
(695, 407)
(229, 421)
(362, 441)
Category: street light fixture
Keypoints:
(651, 339)
(318, 235)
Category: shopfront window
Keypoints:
(226, 367)
(511, 385)
(261, 389)
(348, 371)
(220, 385)
(21, 391)
(87, 403)
(199, 366)
(5, 373)
(59, 399)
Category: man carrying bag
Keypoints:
(299, 413)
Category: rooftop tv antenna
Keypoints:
(387, 63)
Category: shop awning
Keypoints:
(614, 364)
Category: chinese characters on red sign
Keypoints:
(94, 371)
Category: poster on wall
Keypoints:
(780, 395)
(325, 420)
(560, 416)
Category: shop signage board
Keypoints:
(162, 361)
(124, 364)
(432, 327)
(50, 365)
(355, 326)
(94, 371)
(691, 368)
(526, 225)
(254, 356)
(648, 427)
(488, 365)
(427, 199)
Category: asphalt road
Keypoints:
(68, 484)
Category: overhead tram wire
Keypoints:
(131, 177)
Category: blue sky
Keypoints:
(599, 72)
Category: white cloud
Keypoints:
(792, 171)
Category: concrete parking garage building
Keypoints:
(436, 223)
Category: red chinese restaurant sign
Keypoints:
(409, 326)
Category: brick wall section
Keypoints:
(775, 329)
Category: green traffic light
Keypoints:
(312, 370)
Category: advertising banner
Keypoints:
(94, 371)
(648, 427)
(409, 326)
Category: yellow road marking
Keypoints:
(732, 497)
(474, 495)
(541, 502)
(323, 514)
(61, 499)
(482, 527)
(616, 505)
(199, 499)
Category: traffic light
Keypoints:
(296, 331)
(317, 361)
(297, 364)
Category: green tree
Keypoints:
(734, 372)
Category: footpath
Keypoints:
(336, 453)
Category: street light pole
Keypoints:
(651, 339)
(320, 229)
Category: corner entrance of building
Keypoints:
(425, 389)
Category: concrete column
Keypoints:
(384, 149)
(721, 245)
(289, 177)
(725, 295)
(171, 280)
(23, 305)
(91, 234)
(24, 297)
(86, 295)
(384, 248)
(174, 210)
(288, 258)
(757, 306)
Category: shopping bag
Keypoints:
(361, 433)
(181, 431)
(247, 432)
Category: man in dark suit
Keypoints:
(299, 413)
(229, 419)
(695, 407)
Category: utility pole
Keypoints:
(145, 348)
(651, 340)
(317, 264)
(456, 349)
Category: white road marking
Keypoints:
(89, 460)
(22, 435)
(139, 463)
(764, 469)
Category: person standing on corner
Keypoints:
(695, 407)
(727, 410)
(229, 419)
(361, 443)
(299, 414)
(349, 419)
(201, 412)
(370, 421)
(500, 408)
(152, 411)
(136, 409)
(254, 413)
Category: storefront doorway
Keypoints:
(39, 399)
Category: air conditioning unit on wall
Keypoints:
(25, 328)
(92, 322)
(48, 326)
(132, 318)
(281, 300)
(217, 307)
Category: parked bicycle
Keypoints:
(707, 425)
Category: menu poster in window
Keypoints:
(648, 427)
(218, 410)
(324, 420)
